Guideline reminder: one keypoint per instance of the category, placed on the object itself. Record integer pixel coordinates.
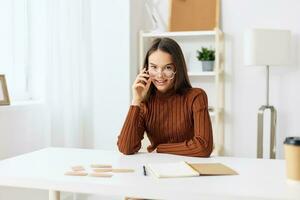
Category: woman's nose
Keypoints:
(159, 73)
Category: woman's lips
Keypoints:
(160, 82)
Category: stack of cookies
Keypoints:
(97, 170)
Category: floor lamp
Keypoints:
(267, 47)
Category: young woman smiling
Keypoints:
(164, 105)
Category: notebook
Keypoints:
(184, 169)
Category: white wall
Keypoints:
(111, 63)
(248, 83)
(23, 128)
(137, 19)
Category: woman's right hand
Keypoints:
(140, 87)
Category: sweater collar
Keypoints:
(165, 95)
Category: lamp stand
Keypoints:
(260, 124)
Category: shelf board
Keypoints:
(201, 73)
(178, 34)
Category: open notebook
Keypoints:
(184, 169)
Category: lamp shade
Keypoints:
(267, 47)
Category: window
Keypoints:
(14, 48)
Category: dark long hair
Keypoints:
(170, 46)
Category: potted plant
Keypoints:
(207, 57)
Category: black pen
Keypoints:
(144, 169)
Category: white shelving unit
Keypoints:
(190, 41)
(177, 34)
(203, 74)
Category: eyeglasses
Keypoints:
(166, 71)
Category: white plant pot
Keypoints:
(208, 66)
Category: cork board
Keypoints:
(193, 15)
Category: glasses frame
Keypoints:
(163, 74)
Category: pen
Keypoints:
(144, 169)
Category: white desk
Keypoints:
(44, 169)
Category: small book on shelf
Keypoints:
(184, 169)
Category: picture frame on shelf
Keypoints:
(4, 97)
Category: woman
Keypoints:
(165, 106)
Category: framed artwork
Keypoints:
(194, 15)
(4, 98)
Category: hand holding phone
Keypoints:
(140, 87)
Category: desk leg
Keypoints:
(54, 195)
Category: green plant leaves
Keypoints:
(206, 54)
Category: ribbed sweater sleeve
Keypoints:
(201, 144)
(129, 140)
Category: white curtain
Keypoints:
(69, 72)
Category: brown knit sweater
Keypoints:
(175, 124)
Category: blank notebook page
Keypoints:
(168, 170)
